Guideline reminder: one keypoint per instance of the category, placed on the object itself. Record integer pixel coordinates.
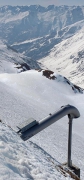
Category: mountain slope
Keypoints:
(68, 58)
(30, 94)
(37, 32)
(12, 61)
(40, 47)
(22, 23)
(36, 21)
(21, 160)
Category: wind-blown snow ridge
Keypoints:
(51, 75)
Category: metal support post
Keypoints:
(69, 141)
(32, 127)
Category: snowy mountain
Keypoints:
(52, 38)
(47, 34)
(34, 94)
(12, 61)
(67, 58)
(20, 24)
(35, 30)
(40, 47)
(27, 22)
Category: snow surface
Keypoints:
(8, 17)
(27, 41)
(10, 59)
(67, 58)
(30, 94)
(21, 160)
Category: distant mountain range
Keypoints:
(21, 23)
(36, 32)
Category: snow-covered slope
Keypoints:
(35, 30)
(11, 61)
(19, 160)
(40, 47)
(68, 58)
(31, 94)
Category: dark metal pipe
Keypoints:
(69, 161)
(65, 110)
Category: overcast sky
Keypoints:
(42, 2)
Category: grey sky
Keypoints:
(42, 2)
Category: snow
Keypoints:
(27, 87)
(21, 160)
(30, 94)
(26, 95)
(10, 59)
(67, 58)
(8, 17)
(27, 41)
(71, 30)
(46, 16)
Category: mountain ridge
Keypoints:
(55, 19)
(36, 31)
